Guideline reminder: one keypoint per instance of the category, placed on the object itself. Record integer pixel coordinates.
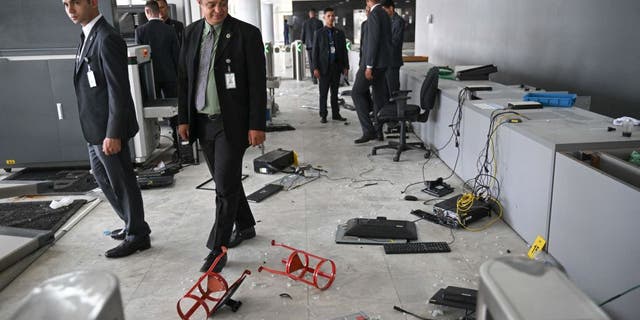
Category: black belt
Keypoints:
(209, 116)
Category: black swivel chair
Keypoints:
(397, 110)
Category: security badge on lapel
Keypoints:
(90, 76)
(229, 77)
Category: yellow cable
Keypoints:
(464, 204)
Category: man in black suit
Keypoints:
(164, 16)
(108, 120)
(330, 59)
(397, 38)
(164, 50)
(222, 97)
(309, 29)
(375, 59)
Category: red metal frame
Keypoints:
(295, 264)
(216, 291)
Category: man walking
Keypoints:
(108, 121)
(222, 96)
(309, 29)
(330, 60)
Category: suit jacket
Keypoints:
(240, 48)
(178, 27)
(309, 29)
(397, 38)
(164, 49)
(322, 50)
(377, 44)
(106, 110)
(363, 33)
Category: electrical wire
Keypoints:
(619, 295)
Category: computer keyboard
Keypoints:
(416, 247)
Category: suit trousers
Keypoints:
(225, 164)
(362, 99)
(114, 175)
(330, 80)
(393, 79)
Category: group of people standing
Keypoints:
(378, 76)
(216, 68)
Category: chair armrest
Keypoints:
(400, 98)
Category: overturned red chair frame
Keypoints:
(211, 288)
(297, 269)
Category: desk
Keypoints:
(533, 171)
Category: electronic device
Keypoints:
(381, 228)
(476, 72)
(410, 198)
(416, 247)
(272, 162)
(464, 295)
(341, 238)
(153, 178)
(522, 105)
(445, 211)
(264, 192)
(456, 297)
(479, 87)
(429, 216)
(437, 188)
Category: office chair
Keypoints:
(397, 110)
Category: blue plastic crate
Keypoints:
(552, 99)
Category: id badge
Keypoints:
(333, 49)
(230, 80)
(91, 78)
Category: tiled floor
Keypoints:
(180, 216)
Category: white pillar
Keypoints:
(267, 22)
(246, 10)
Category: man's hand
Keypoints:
(256, 137)
(345, 71)
(368, 74)
(111, 146)
(183, 131)
(316, 73)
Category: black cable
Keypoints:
(619, 295)
(453, 236)
(410, 313)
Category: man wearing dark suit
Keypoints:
(397, 37)
(108, 120)
(376, 58)
(222, 98)
(164, 16)
(309, 29)
(164, 50)
(330, 59)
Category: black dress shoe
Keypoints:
(238, 236)
(364, 139)
(339, 118)
(380, 136)
(128, 247)
(211, 257)
(323, 120)
(118, 234)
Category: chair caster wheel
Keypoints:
(373, 152)
(396, 158)
(427, 154)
